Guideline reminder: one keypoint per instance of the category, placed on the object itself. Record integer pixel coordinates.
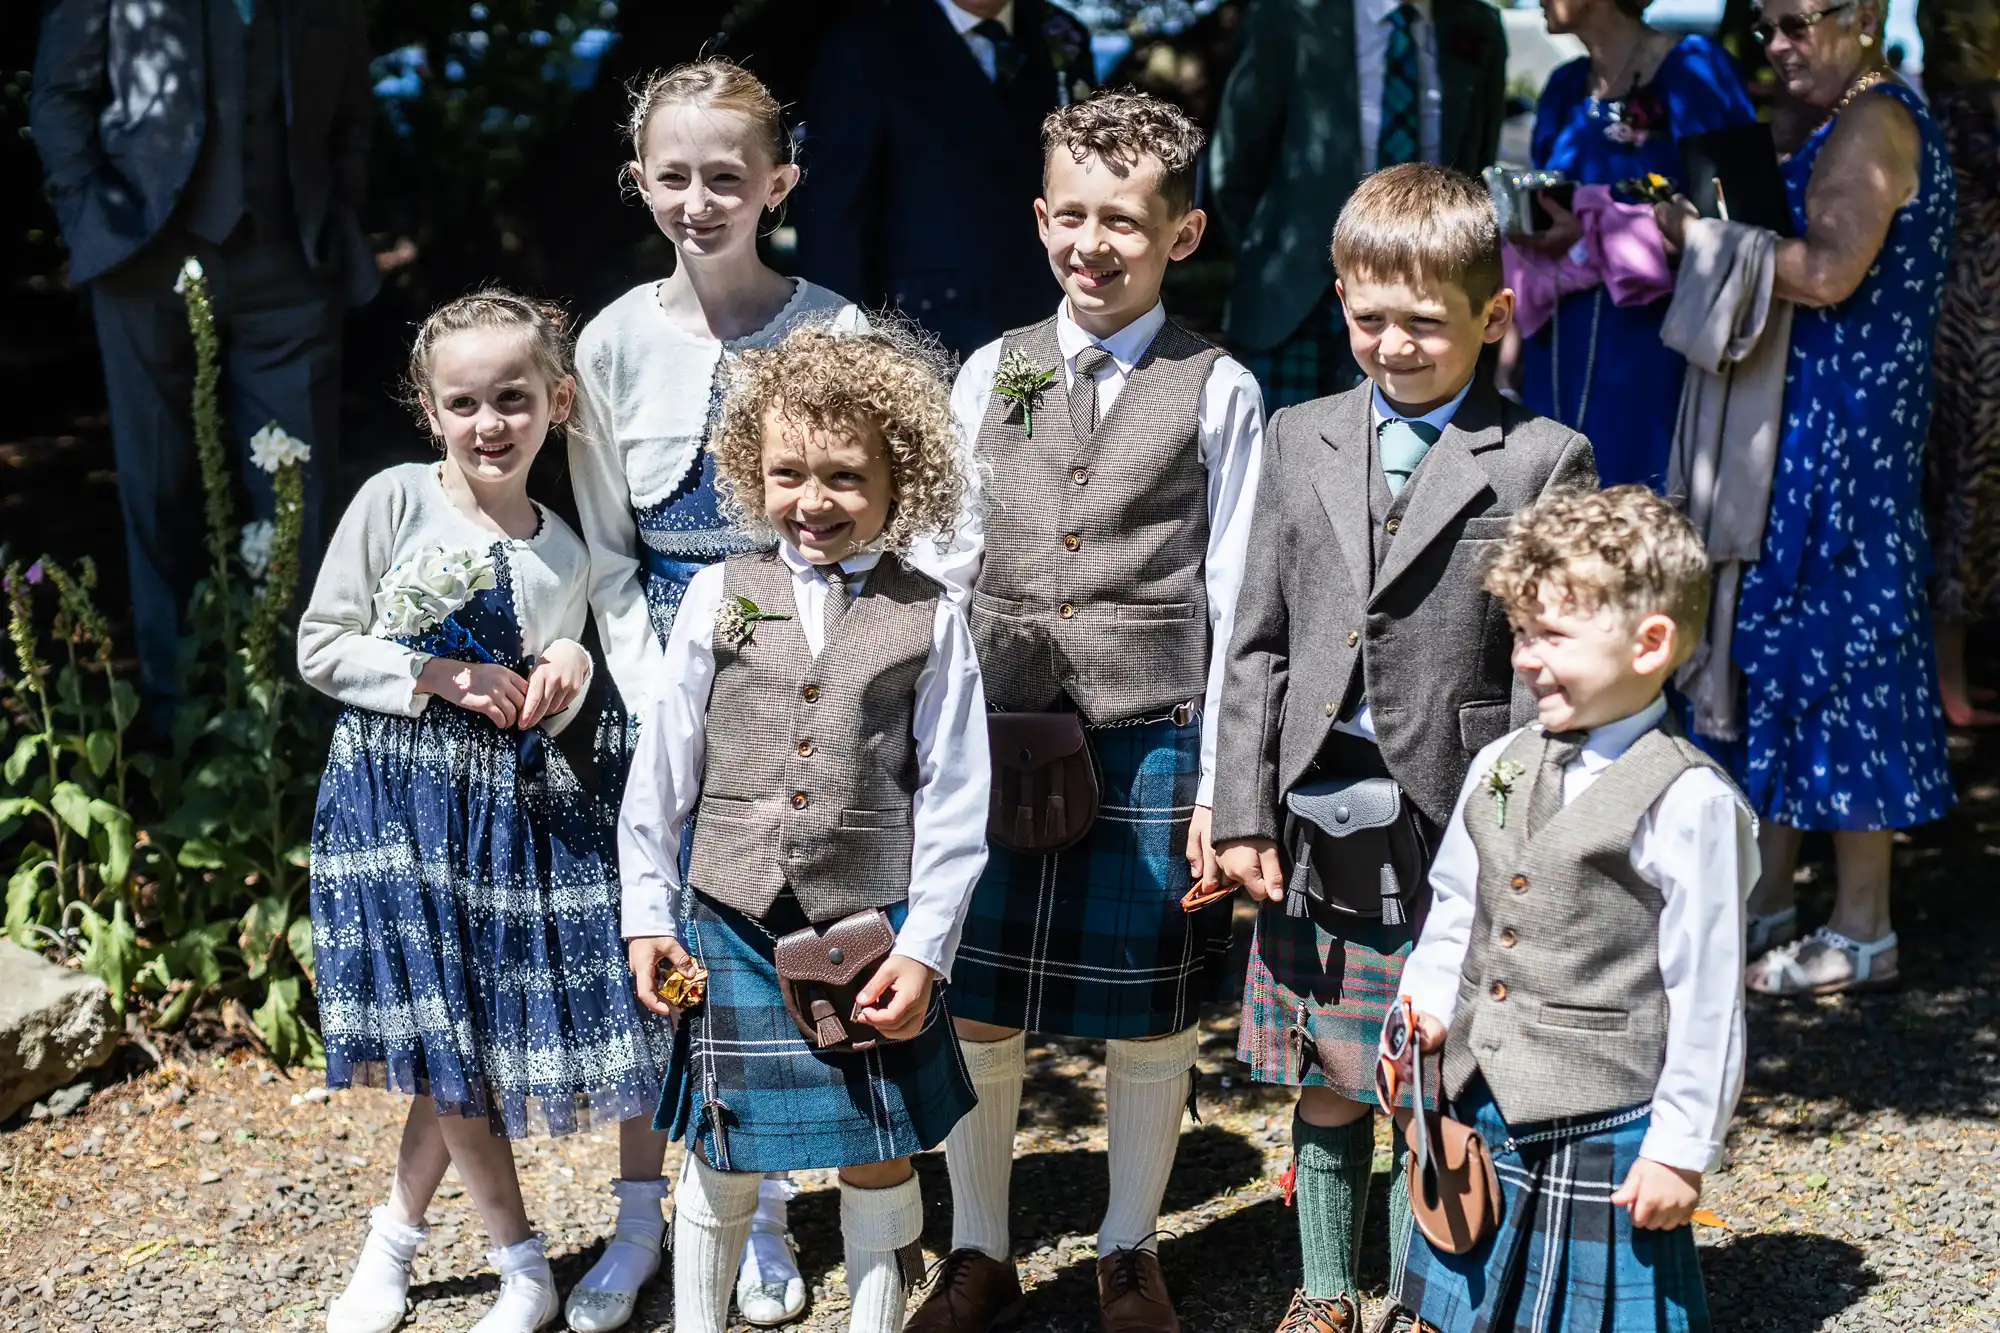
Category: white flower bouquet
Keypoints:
(418, 598)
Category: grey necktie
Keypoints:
(1558, 748)
(1083, 391)
(837, 599)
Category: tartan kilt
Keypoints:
(1092, 941)
(1316, 361)
(1564, 1258)
(746, 1090)
(1346, 984)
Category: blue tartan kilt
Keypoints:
(1092, 941)
(1564, 1258)
(745, 1089)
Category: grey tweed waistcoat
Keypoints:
(1092, 579)
(1560, 1003)
(810, 761)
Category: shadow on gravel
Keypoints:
(1782, 1282)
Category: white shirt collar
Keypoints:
(964, 21)
(1126, 346)
(1602, 745)
(1379, 11)
(1437, 418)
(860, 563)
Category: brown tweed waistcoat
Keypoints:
(810, 762)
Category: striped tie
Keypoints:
(1400, 139)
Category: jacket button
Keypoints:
(805, 749)
(1499, 992)
(1071, 541)
(810, 693)
(1508, 939)
(1518, 884)
(1066, 611)
(1391, 526)
(798, 800)
(1353, 637)
(1081, 476)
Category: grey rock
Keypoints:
(54, 1025)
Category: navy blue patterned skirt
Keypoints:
(1564, 1259)
(746, 1090)
(465, 926)
(1092, 942)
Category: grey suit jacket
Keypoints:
(1432, 647)
(1287, 149)
(120, 107)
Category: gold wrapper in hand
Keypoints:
(682, 991)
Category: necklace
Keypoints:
(1868, 79)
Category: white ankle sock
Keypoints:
(767, 1256)
(1145, 1092)
(875, 1226)
(633, 1255)
(979, 1151)
(381, 1280)
(711, 1219)
(527, 1290)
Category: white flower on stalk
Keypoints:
(255, 548)
(271, 448)
(190, 272)
(415, 597)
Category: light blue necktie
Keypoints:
(248, 9)
(1404, 444)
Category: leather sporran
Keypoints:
(821, 969)
(1454, 1192)
(1046, 789)
(1357, 847)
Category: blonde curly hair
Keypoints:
(1625, 549)
(891, 379)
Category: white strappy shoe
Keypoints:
(1825, 963)
(769, 1288)
(1763, 933)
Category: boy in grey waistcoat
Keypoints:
(1365, 653)
(1582, 966)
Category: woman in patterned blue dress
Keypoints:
(1833, 634)
(464, 902)
(710, 163)
(1613, 116)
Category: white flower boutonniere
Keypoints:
(1499, 784)
(736, 621)
(1019, 381)
(418, 595)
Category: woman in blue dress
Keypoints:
(710, 163)
(1608, 117)
(1844, 731)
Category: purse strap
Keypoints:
(1425, 1148)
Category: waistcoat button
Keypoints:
(810, 693)
(1508, 939)
(1081, 476)
(1353, 637)
(1391, 526)
(1066, 611)
(805, 749)
(798, 800)
(1518, 884)
(1499, 992)
(1071, 541)
(836, 956)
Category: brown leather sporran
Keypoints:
(1454, 1192)
(822, 969)
(1046, 789)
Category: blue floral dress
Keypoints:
(1833, 627)
(1598, 367)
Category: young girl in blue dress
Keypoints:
(711, 161)
(463, 899)
(821, 721)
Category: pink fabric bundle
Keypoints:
(1621, 248)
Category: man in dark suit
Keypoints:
(1323, 93)
(234, 132)
(923, 159)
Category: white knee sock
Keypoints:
(1145, 1091)
(633, 1255)
(711, 1220)
(875, 1226)
(376, 1294)
(979, 1151)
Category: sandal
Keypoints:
(1825, 963)
(1765, 933)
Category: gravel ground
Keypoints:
(216, 1193)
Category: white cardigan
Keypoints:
(646, 387)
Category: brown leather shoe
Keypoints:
(1132, 1294)
(973, 1292)
(1312, 1314)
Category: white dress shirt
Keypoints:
(1362, 724)
(1231, 434)
(1372, 26)
(947, 810)
(964, 21)
(1698, 847)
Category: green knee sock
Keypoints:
(1401, 1224)
(1333, 1169)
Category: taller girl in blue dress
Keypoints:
(463, 900)
(1612, 116)
(712, 163)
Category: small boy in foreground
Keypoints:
(1582, 966)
